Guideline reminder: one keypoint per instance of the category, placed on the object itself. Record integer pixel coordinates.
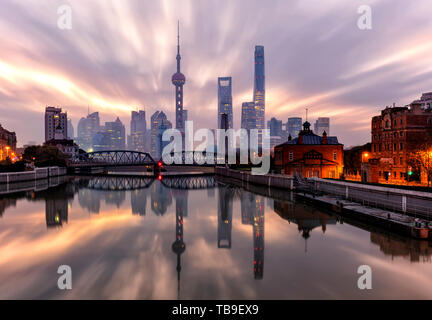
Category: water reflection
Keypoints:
(123, 252)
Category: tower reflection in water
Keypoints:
(178, 246)
(225, 210)
(252, 213)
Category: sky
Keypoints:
(119, 56)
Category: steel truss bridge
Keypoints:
(115, 158)
(119, 183)
(133, 183)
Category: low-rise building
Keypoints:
(310, 155)
(8, 143)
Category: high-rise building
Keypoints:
(185, 117)
(70, 130)
(55, 118)
(138, 130)
(259, 88)
(321, 125)
(294, 126)
(178, 80)
(117, 134)
(275, 127)
(159, 123)
(87, 128)
(276, 132)
(225, 100)
(248, 116)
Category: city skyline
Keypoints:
(324, 63)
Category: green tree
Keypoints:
(44, 156)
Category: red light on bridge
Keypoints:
(160, 164)
(160, 177)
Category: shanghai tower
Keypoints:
(259, 89)
(178, 79)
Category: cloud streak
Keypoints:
(121, 55)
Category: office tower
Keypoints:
(178, 80)
(87, 128)
(70, 130)
(248, 116)
(321, 125)
(275, 127)
(225, 100)
(138, 129)
(294, 126)
(101, 141)
(159, 123)
(116, 133)
(54, 118)
(185, 117)
(259, 88)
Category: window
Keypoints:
(394, 146)
(291, 156)
(394, 174)
(401, 146)
(401, 134)
(401, 161)
(335, 156)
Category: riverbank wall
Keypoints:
(36, 174)
(268, 180)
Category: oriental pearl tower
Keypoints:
(178, 80)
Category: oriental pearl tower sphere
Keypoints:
(178, 80)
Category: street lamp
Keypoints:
(365, 157)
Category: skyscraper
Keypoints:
(116, 133)
(259, 88)
(159, 123)
(321, 125)
(87, 128)
(178, 80)
(248, 116)
(138, 128)
(54, 119)
(225, 100)
(294, 126)
(275, 127)
(70, 129)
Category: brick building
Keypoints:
(7, 142)
(396, 134)
(310, 155)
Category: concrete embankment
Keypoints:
(395, 222)
(268, 180)
(36, 174)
